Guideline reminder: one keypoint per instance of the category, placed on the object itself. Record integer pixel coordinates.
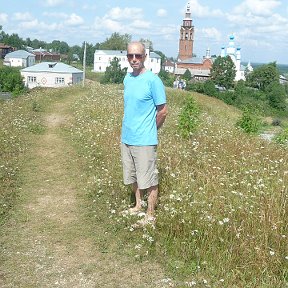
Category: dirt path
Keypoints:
(45, 243)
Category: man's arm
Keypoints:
(161, 115)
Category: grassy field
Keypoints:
(222, 214)
(223, 203)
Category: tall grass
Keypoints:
(222, 214)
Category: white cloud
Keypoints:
(116, 21)
(3, 18)
(52, 3)
(60, 15)
(141, 24)
(108, 24)
(117, 13)
(161, 12)
(71, 20)
(36, 25)
(203, 11)
(211, 33)
(74, 20)
(22, 16)
(257, 7)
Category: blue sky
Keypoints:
(260, 27)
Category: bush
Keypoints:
(209, 88)
(11, 80)
(114, 73)
(197, 87)
(189, 118)
(166, 77)
(282, 137)
(249, 122)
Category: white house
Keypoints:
(102, 59)
(51, 74)
(19, 58)
(169, 66)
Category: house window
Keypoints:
(59, 80)
(31, 79)
(99, 58)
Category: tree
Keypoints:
(14, 40)
(263, 76)
(276, 96)
(114, 73)
(209, 88)
(59, 46)
(35, 43)
(11, 80)
(223, 72)
(90, 50)
(147, 42)
(166, 78)
(116, 42)
(187, 75)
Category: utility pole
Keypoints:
(84, 64)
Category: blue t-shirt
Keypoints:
(142, 94)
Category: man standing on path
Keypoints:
(144, 113)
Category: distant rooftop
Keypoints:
(121, 53)
(57, 67)
(18, 54)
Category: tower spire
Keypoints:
(186, 36)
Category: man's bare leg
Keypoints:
(152, 200)
(138, 198)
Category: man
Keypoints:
(144, 113)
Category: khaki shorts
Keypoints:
(139, 165)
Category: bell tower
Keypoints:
(186, 36)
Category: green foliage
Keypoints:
(114, 73)
(166, 77)
(13, 40)
(189, 118)
(282, 137)
(196, 86)
(209, 88)
(276, 96)
(187, 75)
(90, 50)
(11, 80)
(263, 76)
(59, 47)
(116, 42)
(147, 42)
(223, 72)
(250, 121)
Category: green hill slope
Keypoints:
(223, 194)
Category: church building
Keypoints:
(235, 54)
(199, 67)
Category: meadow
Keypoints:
(222, 211)
(222, 214)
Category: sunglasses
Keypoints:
(137, 56)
